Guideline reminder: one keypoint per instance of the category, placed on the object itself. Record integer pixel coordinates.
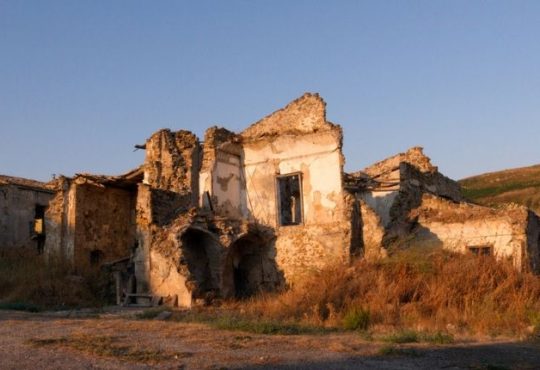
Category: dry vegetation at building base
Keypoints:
(29, 282)
(413, 296)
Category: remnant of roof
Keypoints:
(381, 175)
(361, 181)
(24, 183)
(126, 180)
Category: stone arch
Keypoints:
(201, 253)
(250, 267)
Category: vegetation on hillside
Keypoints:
(520, 185)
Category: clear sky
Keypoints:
(81, 82)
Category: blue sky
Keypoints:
(81, 82)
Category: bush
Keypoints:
(356, 319)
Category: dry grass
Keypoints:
(428, 292)
(107, 346)
(29, 282)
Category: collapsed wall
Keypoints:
(270, 206)
(510, 232)
(169, 189)
(388, 190)
(405, 201)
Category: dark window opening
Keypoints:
(290, 200)
(38, 227)
(39, 219)
(96, 256)
(480, 250)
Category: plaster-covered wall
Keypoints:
(228, 187)
(298, 139)
(17, 212)
(381, 202)
(317, 157)
(457, 226)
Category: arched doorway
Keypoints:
(201, 254)
(249, 267)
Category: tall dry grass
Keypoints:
(31, 280)
(415, 289)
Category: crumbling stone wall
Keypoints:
(198, 256)
(104, 224)
(90, 223)
(392, 188)
(459, 226)
(373, 231)
(237, 186)
(304, 115)
(18, 200)
(222, 185)
(299, 140)
(56, 220)
(172, 162)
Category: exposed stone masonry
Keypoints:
(208, 220)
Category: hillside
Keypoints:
(518, 185)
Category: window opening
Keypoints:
(38, 227)
(290, 200)
(480, 250)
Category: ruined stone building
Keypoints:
(404, 200)
(240, 213)
(22, 212)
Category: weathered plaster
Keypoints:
(457, 226)
(18, 200)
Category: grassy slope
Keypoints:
(518, 185)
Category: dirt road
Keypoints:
(45, 341)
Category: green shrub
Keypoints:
(356, 318)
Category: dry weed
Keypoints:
(31, 280)
(435, 291)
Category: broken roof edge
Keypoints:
(127, 179)
(413, 156)
(303, 115)
(430, 207)
(26, 183)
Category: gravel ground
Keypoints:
(79, 341)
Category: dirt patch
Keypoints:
(120, 342)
